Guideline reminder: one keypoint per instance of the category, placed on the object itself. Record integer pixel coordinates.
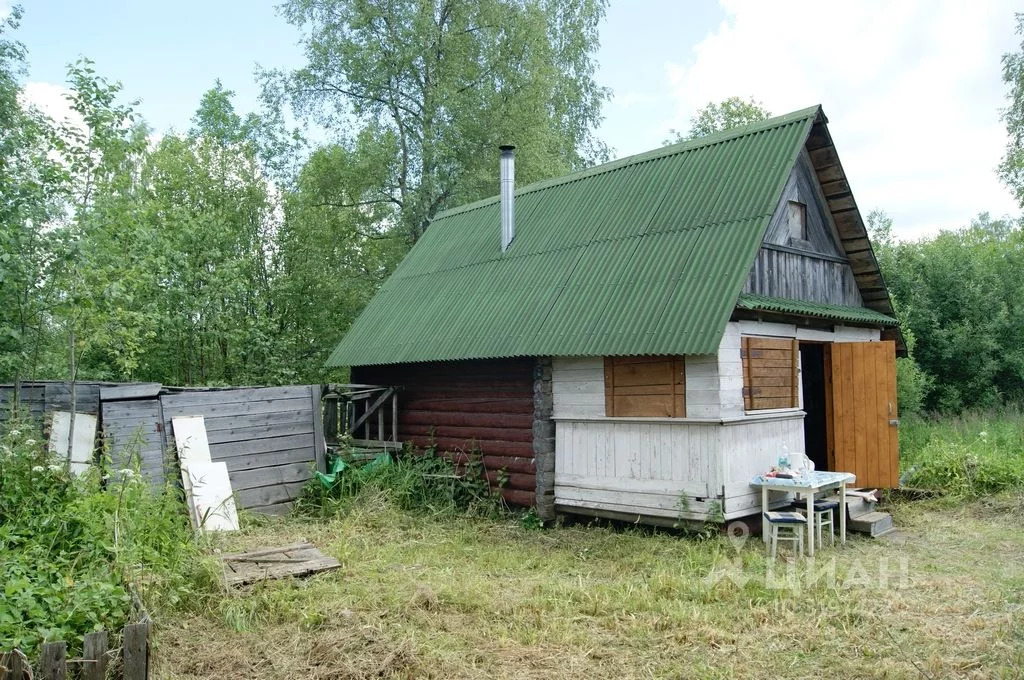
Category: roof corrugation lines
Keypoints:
(816, 309)
(644, 255)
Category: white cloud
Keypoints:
(912, 91)
(51, 99)
(5, 9)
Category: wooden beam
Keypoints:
(373, 407)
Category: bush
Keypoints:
(967, 456)
(71, 547)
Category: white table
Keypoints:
(808, 485)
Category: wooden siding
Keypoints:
(750, 446)
(668, 468)
(814, 269)
(465, 406)
(577, 386)
(644, 387)
(791, 275)
(40, 398)
(635, 466)
(803, 187)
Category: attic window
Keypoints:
(644, 387)
(797, 221)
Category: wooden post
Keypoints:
(15, 664)
(53, 662)
(94, 654)
(394, 416)
(136, 651)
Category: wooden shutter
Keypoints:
(645, 387)
(770, 373)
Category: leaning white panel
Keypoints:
(83, 442)
(211, 497)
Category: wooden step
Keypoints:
(873, 524)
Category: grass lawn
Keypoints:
(472, 598)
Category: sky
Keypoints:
(912, 88)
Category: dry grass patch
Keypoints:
(468, 598)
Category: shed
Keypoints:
(658, 329)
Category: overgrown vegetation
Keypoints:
(966, 456)
(425, 482)
(71, 548)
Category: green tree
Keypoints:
(29, 200)
(101, 151)
(1011, 169)
(959, 296)
(210, 217)
(725, 115)
(435, 86)
(330, 261)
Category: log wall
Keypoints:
(465, 406)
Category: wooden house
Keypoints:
(648, 334)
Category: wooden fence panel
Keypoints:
(96, 655)
(270, 438)
(136, 428)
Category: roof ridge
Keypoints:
(644, 156)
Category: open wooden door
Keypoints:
(863, 423)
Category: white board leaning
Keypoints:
(83, 441)
(207, 485)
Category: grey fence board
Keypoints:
(130, 391)
(235, 395)
(269, 495)
(173, 408)
(144, 437)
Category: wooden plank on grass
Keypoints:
(265, 563)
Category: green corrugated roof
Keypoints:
(817, 309)
(643, 255)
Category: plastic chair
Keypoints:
(786, 526)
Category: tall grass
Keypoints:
(971, 455)
(71, 547)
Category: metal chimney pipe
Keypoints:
(508, 198)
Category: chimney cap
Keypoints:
(507, 147)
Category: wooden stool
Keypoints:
(823, 515)
(786, 526)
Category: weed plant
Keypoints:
(72, 546)
(968, 456)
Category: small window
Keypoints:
(770, 373)
(797, 221)
(644, 387)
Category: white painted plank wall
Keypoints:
(639, 466)
(577, 387)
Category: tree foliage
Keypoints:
(1011, 169)
(431, 88)
(959, 297)
(724, 115)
